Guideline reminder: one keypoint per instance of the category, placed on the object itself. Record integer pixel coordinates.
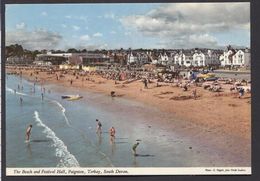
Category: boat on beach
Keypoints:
(71, 97)
(206, 75)
(66, 96)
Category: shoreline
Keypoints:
(221, 118)
(163, 98)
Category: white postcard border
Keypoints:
(106, 171)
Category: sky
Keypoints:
(136, 25)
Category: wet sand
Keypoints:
(218, 120)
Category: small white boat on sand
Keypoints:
(71, 97)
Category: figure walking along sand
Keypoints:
(194, 93)
(241, 92)
(145, 84)
(28, 133)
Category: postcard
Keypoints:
(127, 89)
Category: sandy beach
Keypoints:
(219, 118)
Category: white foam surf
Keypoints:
(66, 158)
(13, 92)
(68, 123)
(63, 111)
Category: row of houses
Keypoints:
(236, 58)
(196, 58)
(187, 58)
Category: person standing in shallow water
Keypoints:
(21, 100)
(28, 132)
(134, 148)
(42, 96)
(112, 132)
(99, 127)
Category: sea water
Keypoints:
(64, 132)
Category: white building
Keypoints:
(212, 58)
(163, 59)
(198, 59)
(205, 59)
(242, 58)
(236, 58)
(227, 58)
(142, 58)
(155, 61)
(138, 58)
(179, 58)
(221, 59)
(182, 59)
(188, 60)
(42, 63)
(131, 58)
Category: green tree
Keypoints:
(72, 50)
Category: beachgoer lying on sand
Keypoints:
(112, 93)
(233, 88)
(185, 88)
(28, 132)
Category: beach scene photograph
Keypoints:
(136, 85)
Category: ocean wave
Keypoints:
(63, 111)
(80, 131)
(13, 92)
(66, 158)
